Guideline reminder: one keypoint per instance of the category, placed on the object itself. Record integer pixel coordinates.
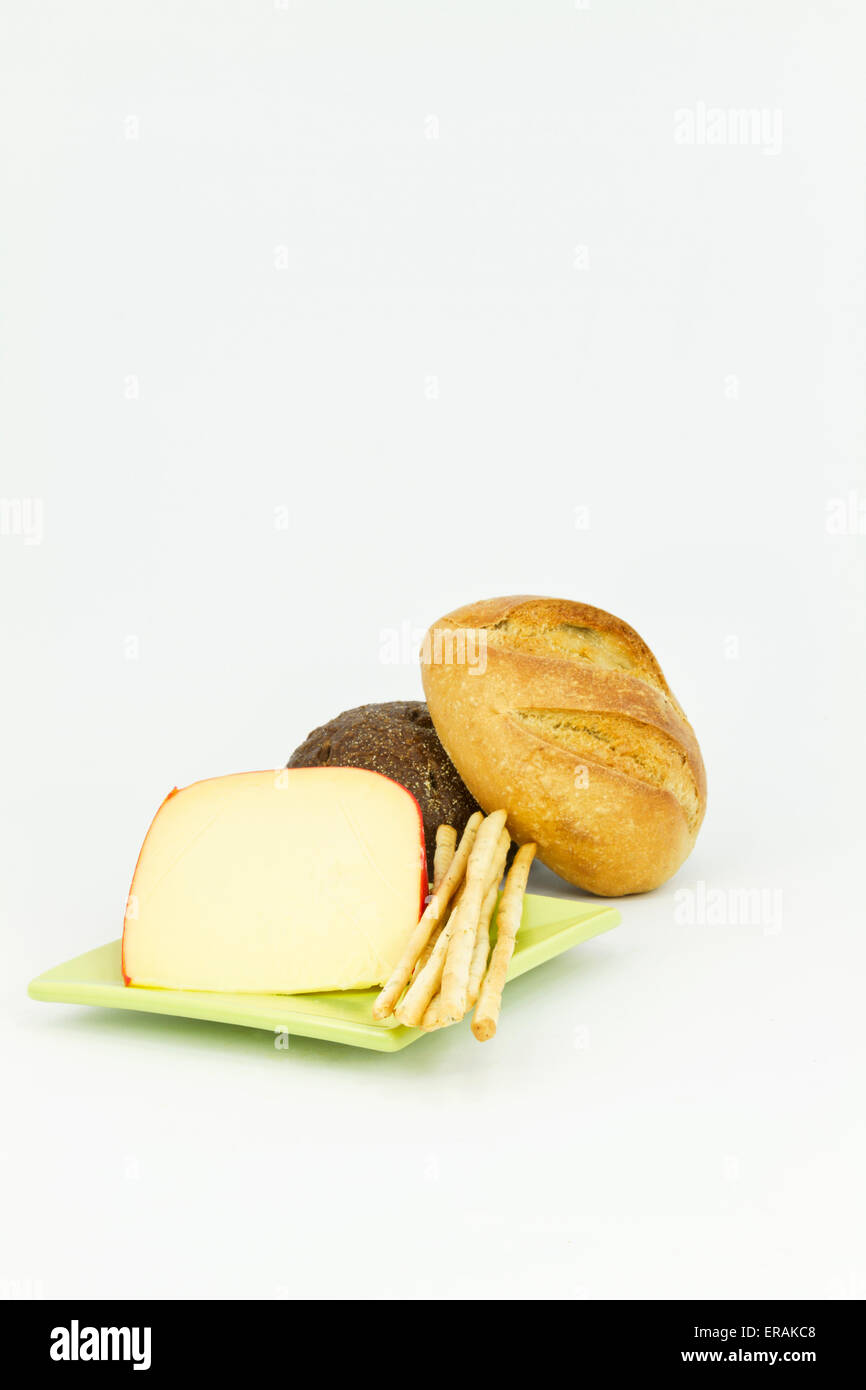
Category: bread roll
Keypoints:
(560, 713)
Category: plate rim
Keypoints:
(384, 1036)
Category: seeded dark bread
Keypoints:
(397, 739)
(560, 713)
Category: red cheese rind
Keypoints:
(126, 978)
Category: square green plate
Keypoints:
(548, 927)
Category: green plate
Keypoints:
(548, 927)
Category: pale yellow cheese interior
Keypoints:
(276, 882)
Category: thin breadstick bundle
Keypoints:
(424, 986)
(481, 949)
(455, 976)
(446, 845)
(431, 916)
(508, 921)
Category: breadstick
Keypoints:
(510, 912)
(446, 844)
(428, 949)
(455, 976)
(432, 914)
(412, 1009)
(437, 932)
(432, 1014)
(446, 841)
(481, 949)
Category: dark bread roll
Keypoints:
(398, 740)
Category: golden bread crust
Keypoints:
(565, 718)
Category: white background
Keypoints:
(320, 319)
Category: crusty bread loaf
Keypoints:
(560, 713)
(398, 740)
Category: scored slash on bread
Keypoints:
(570, 725)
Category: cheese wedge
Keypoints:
(276, 883)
